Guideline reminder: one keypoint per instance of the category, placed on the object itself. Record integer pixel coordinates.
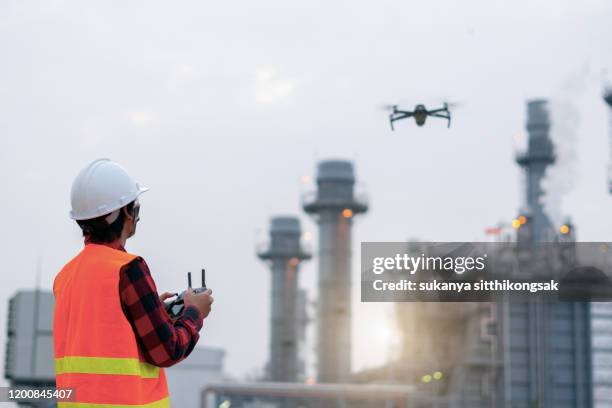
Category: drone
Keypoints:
(420, 114)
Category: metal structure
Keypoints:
(284, 253)
(334, 205)
(29, 346)
(545, 347)
(546, 353)
(539, 155)
(601, 316)
(303, 321)
(314, 395)
(601, 327)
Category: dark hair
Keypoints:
(98, 231)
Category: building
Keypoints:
(506, 354)
(187, 379)
(29, 347)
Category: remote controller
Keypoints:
(175, 308)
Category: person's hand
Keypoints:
(202, 301)
(166, 295)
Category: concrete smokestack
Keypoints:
(284, 254)
(334, 207)
(535, 160)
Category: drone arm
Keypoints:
(447, 116)
(396, 111)
(438, 110)
(399, 115)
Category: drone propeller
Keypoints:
(387, 107)
(453, 104)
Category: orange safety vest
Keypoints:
(95, 348)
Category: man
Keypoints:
(112, 333)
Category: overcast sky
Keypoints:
(221, 108)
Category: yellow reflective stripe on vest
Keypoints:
(162, 403)
(105, 365)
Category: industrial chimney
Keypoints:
(334, 205)
(534, 161)
(284, 254)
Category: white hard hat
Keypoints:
(102, 187)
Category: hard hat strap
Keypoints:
(112, 217)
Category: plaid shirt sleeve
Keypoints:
(162, 340)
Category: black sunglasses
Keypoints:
(136, 211)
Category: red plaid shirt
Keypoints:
(162, 340)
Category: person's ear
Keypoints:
(128, 215)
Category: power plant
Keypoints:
(284, 253)
(334, 205)
(502, 354)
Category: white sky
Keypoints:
(220, 108)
